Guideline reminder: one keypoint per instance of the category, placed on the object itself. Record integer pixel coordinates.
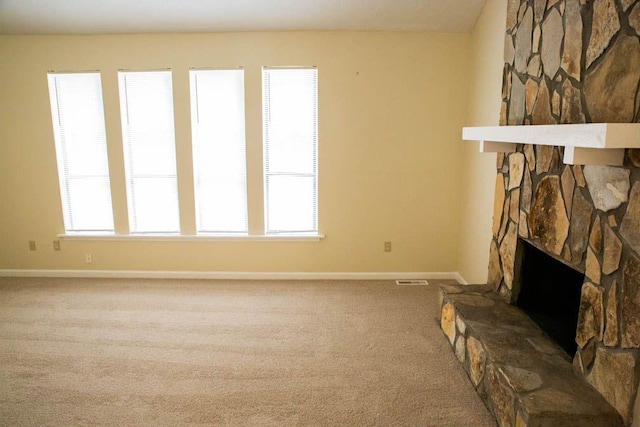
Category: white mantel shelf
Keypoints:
(585, 144)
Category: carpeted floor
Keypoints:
(176, 352)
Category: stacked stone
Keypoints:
(576, 61)
(551, 77)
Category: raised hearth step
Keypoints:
(525, 379)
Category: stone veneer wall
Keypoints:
(576, 61)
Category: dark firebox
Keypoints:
(550, 295)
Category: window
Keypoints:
(290, 132)
(81, 150)
(146, 110)
(218, 143)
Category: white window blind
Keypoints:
(290, 132)
(146, 109)
(81, 150)
(219, 154)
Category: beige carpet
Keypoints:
(174, 352)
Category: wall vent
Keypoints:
(412, 282)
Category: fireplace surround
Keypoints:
(569, 62)
(583, 217)
(589, 217)
(586, 218)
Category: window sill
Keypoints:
(192, 238)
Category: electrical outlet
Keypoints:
(56, 245)
(387, 246)
(32, 245)
(88, 259)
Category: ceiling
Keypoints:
(154, 16)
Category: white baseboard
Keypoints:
(142, 274)
(458, 277)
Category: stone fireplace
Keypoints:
(566, 61)
(588, 217)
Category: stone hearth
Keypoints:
(523, 377)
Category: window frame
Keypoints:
(128, 154)
(267, 174)
(195, 119)
(131, 233)
(62, 149)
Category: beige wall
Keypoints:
(487, 42)
(391, 109)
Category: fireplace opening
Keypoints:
(550, 294)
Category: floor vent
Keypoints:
(412, 282)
